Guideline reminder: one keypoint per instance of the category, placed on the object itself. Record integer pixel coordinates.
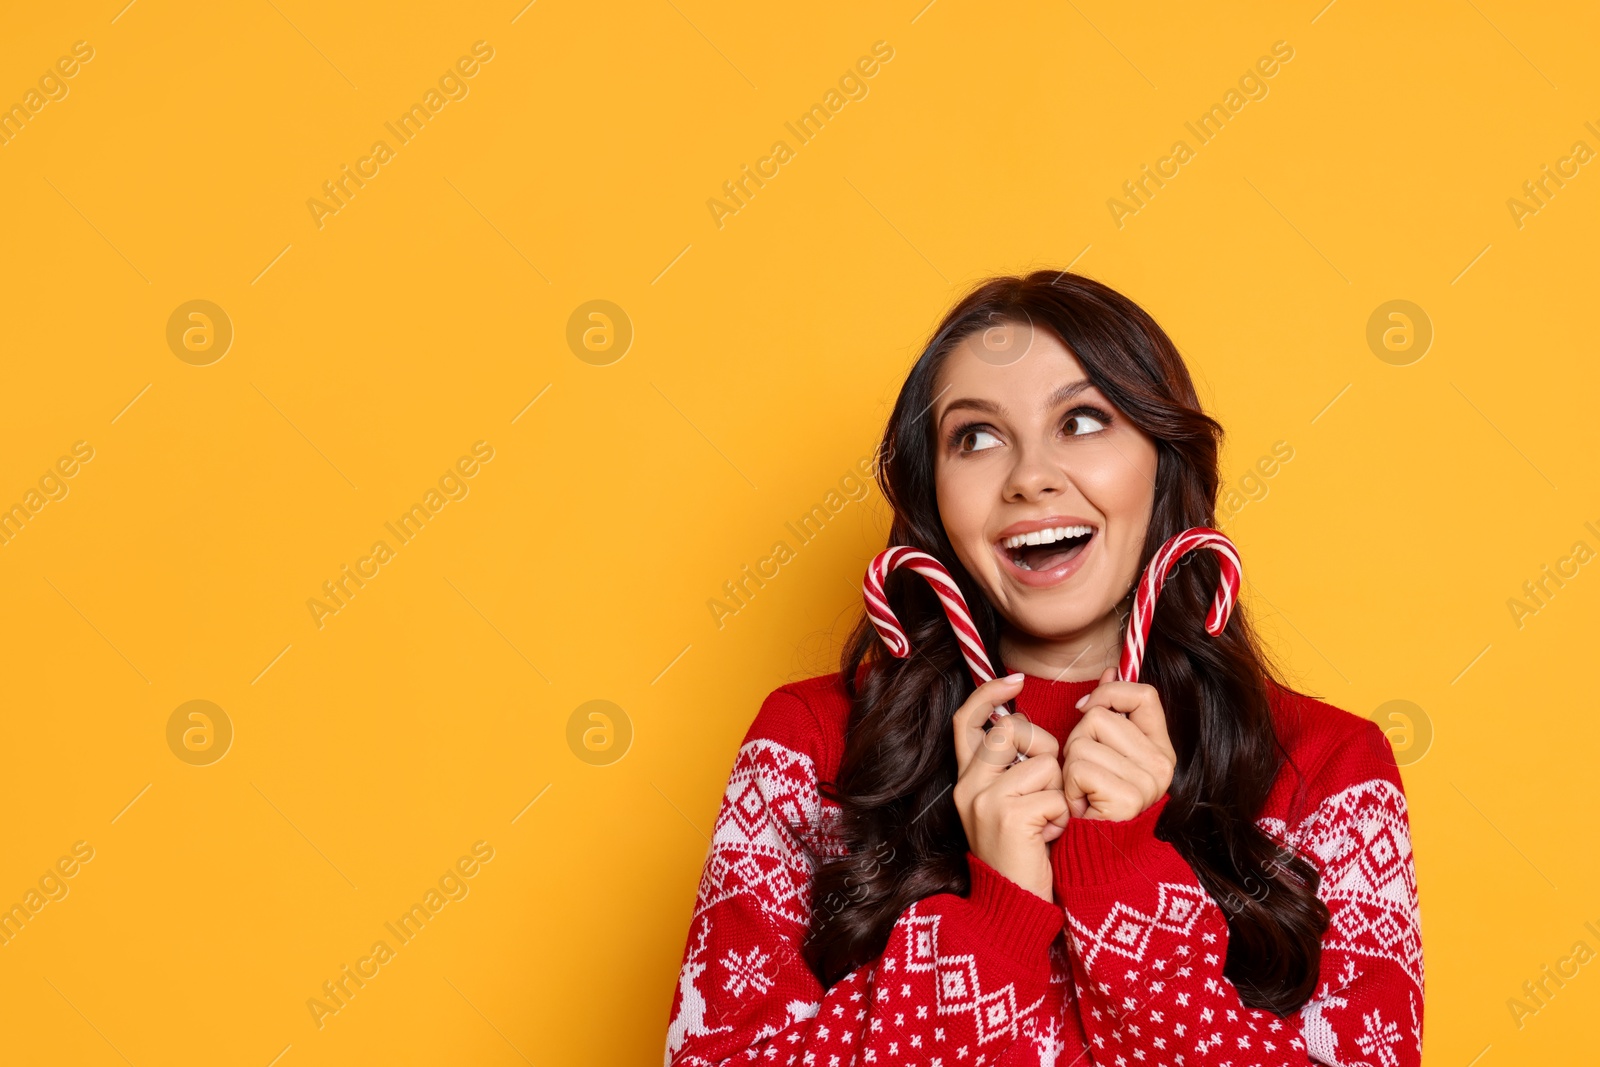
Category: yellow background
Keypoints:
(369, 354)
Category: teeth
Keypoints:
(1045, 537)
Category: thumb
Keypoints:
(1108, 675)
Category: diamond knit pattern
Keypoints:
(1123, 967)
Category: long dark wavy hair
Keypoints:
(901, 836)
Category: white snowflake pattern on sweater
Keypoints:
(1124, 969)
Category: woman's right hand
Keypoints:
(1011, 812)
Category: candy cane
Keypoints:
(955, 607)
(972, 650)
(1155, 575)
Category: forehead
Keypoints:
(1015, 365)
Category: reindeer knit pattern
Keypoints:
(1124, 968)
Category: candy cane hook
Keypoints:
(955, 609)
(1155, 576)
(972, 650)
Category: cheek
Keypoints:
(1120, 480)
(1122, 488)
(960, 492)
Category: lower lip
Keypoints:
(1047, 578)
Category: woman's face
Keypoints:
(1028, 450)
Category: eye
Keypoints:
(976, 432)
(1086, 421)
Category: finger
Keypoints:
(1120, 696)
(1044, 809)
(1107, 676)
(1140, 703)
(1033, 813)
(967, 722)
(1057, 814)
(1024, 737)
(998, 749)
(1142, 777)
(1090, 785)
(1031, 739)
(1029, 776)
(1114, 730)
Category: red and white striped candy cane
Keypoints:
(972, 650)
(955, 609)
(1155, 575)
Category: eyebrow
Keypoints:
(1060, 396)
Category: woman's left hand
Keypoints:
(1118, 760)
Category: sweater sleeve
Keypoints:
(959, 979)
(1148, 942)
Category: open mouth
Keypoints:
(1044, 550)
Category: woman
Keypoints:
(1204, 867)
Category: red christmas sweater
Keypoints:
(1124, 968)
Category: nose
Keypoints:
(1034, 475)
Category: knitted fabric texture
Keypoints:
(1124, 968)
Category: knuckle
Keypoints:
(997, 749)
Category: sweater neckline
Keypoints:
(1050, 703)
(1040, 682)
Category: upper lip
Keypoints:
(1046, 523)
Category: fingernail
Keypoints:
(1015, 677)
(1081, 699)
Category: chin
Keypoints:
(1046, 625)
